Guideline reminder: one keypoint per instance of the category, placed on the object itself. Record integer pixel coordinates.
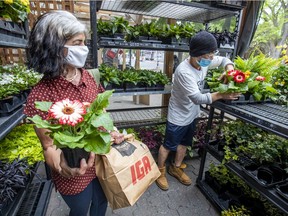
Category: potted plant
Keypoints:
(77, 127)
(15, 80)
(110, 77)
(130, 78)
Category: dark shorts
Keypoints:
(175, 135)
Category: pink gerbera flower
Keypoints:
(67, 112)
(260, 78)
(239, 77)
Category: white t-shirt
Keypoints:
(186, 96)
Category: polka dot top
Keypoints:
(59, 89)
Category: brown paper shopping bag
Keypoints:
(126, 172)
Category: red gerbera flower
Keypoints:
(239, 77)
(232, 72)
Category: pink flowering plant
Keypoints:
(75, 124)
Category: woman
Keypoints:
(56, 48)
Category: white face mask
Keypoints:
(77, 55)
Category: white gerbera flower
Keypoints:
(67, 112)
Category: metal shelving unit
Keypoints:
(200, 12)
(268, 116)
(7, 123)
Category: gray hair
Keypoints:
(47, 39)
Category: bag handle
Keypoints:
(95, 73)
(129, 137)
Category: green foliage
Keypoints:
(16, 78)
(280, 82)
(260, 64)
(109, 75)
(22, 141)
(16, 10)
(258, 144)
(236, 211)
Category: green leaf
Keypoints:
(68, 139)
(43, 105)
(40, 123)
(101, 102)
(97, 144)
(103, 120)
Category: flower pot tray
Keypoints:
(266, 176)
(10, 104)
(245, 100)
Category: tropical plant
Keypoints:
(16, 10)
(74, 124)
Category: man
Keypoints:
(184, 104)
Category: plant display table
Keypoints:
(268, 116)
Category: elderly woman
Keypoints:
(56, 48)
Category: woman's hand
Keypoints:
(69, 172)
(117, 137)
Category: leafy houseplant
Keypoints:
(16, 10)
(73, 124)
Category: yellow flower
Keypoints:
(283, 83)
(8, 1)
(247, 74)
(24, 2)
(276, 83)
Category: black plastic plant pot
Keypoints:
(265, 175)
(74, 156)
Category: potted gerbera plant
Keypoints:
(75, 126)
(248, 83)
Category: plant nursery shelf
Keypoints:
(270, 194)
(179, 10)
(7, 123)
(138, 117)
(139, 45)
(268, 116)
(118, 94)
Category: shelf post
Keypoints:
(93, 23)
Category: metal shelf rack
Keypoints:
(138, 117)
(268, 116)
(7, 123)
